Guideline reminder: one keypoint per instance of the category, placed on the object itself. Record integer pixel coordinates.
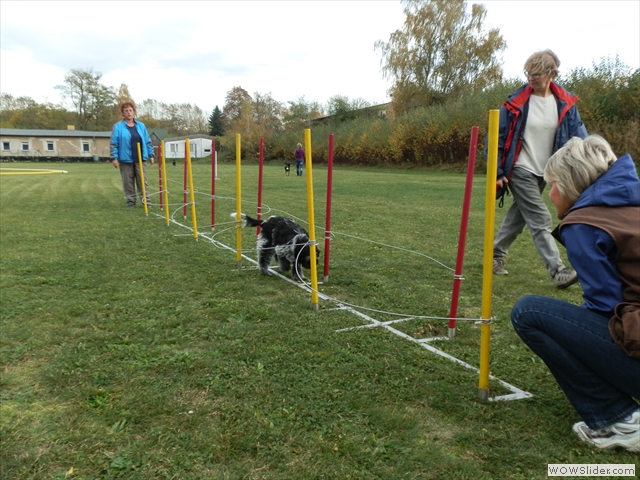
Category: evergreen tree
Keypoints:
(215, 123)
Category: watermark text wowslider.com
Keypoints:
(591, 470)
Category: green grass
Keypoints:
(129, 350)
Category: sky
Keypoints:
(196, 51)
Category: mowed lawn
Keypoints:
(131, 350)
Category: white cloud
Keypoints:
(195, 52)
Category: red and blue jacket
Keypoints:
(513, 119)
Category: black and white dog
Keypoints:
(285, 239)
(287, 168)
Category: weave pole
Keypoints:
(260, 173)
(238, 204)
(312, 224)
(214, 174)
(184, 183)
(142, 187)
(165, 191)
(327, 228)
(487, 272)
(192, 199)
(462, 240)
(161, 202)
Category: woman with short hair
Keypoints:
(125, 138)
(593, 350)
(535, 121)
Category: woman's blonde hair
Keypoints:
(544, 61)
(299, 145)
(577, 165)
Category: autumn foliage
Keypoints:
(439, 135)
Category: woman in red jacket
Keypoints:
(535, 121)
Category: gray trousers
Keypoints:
(130, 173)
(528, 209)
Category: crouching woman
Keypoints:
(593, 350)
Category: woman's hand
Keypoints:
(502, 182)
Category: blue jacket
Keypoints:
(121, 143)
(591, 251)
(513, 119)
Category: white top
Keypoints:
(539, 134)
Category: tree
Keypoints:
(24, 112)
(300, 113)
(121, 96)
(177, 118)
(341, 108)
(609, 91)
(215, 123)
(441, 52)
(254, 117)
(233, 105)
(92, 100)
(267, 114)
(186, 119)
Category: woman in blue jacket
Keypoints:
(593, 350)
(125, 138)
(535, 121)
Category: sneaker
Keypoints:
(498, 266)
(625, 434)
(564, 278)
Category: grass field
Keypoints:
(130, 350)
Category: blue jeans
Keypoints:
(299, 167)
(597, 377)
(528, 209)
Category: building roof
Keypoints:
(190, 137)
(161, 133)
(20, 132)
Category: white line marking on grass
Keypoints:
(517, 394)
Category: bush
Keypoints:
(439, 135)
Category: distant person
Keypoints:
(125, 138)
(593, 350)
(299, 160)
(535, 121)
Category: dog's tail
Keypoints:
(247, 221)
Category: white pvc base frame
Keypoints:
(516, 394)
(424, 342)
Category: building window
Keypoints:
(49, 146)
(173, 148)
(6, 146)
(25, 147)
(85, 146)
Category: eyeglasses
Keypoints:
(535, 76)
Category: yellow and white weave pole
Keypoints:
(238, 203)
(144, 190)
(165, 192)
(312, 223)
(192, 199)
(487, 272)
